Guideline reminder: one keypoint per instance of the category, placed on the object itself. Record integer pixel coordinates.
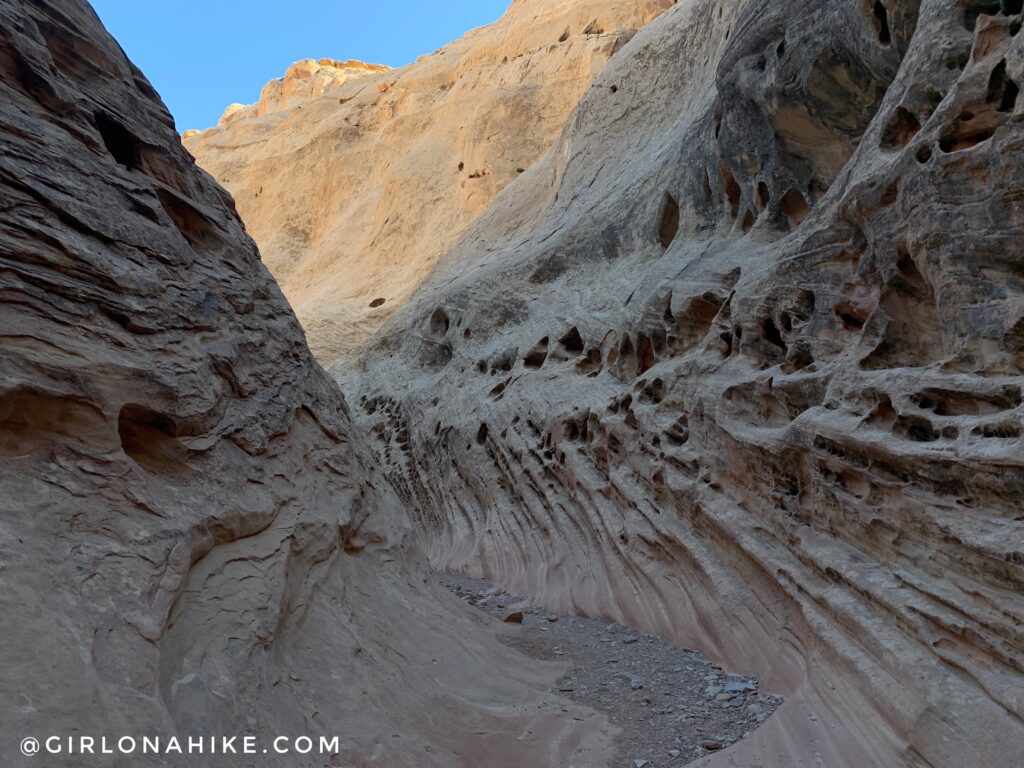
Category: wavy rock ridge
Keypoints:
(191, 542)
(354, 195)
(739, 361)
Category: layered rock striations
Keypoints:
(192, 541)
(353, 189)
(739, 361)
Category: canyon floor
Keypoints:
(670, 705)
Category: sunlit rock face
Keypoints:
(739, 361)
(192, 541)
(354, 180)
(304, 80)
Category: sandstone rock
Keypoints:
(353, 197)
(195, 541)
(513, 617)
(746, 350)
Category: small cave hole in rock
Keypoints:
(1012, 7)
(669, 224)
(377, 303)
(1002, 90)
(908, 269)
(976, 10)
(850, 316)
(772, 334)
(763, 195)
(916, 428)
(535, 357)
(564, 36)
(794, 207)
(903, 125)
(960, 138)
(881, 16)
(481, 434)
(748, 221)
(150, 439)
(572, 341)
(123, 146)
(439, 322)
(467, 334)
(732, 190)
(645, 353)
(924, 154)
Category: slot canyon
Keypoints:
(687, 334)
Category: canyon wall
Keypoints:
(192, 541)
(739, 361)
(353, 190)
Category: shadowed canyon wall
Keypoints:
(355, 192)
(191, 541)
(739, 361)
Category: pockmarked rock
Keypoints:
(739, 362)
(354, 179)
(195, 541)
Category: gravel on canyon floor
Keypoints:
(672, 705)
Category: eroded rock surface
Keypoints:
(354, 196)
(739, 362)
(191, 541)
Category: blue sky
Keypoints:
(201, 56)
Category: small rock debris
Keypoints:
(671, 705)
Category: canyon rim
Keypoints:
(704, 317)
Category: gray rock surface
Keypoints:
(739, 362)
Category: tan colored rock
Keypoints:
(739, 362)
(233, 112)
(193, 540)
(309, 79)
(354, 181)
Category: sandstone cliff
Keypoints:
(739, 361)
(304, 80)
(192, 542)
(354, 195)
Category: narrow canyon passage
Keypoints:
(653, 394)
